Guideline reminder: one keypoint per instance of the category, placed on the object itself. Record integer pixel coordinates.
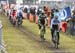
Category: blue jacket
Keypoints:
(58, 21)
(20, 13)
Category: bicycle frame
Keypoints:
(19, 21)
(42, 33)
(55, 38)
(42, 29)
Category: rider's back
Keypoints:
(42, 17)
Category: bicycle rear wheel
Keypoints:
(42, 34)
(55, 40)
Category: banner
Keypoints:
(65, 13)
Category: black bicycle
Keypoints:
(19, 22)
(42, 32)
(55, 39)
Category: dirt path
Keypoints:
(46, 43)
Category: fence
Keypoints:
(1, 40)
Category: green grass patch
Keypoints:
(17, 42)
(66, 42)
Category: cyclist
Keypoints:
(72, 20)
(42, 21)
(19, 15)
(13, 16)
(39, 11)
(55, 25)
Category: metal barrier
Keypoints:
(1, 40)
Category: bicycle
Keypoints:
(19, 22)
(55, 39)
(42, 32)
(13, 20)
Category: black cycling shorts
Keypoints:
(55, 27)
(42, 22)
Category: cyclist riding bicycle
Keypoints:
(55, 25)
(20, 13)
(19, 16)
(39, 11)
(13, 16)
(42, 22)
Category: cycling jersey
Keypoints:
(55, 22)
(41, 19)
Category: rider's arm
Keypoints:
(51, 23)
(46, 20)
(38, 19)
(60, 24)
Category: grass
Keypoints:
(66, 42)
(17, 42)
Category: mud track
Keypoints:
(45, 43)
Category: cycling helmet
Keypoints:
(42, 12)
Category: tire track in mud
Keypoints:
(45, 43)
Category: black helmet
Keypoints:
(42, 12)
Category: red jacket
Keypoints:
(14, 13)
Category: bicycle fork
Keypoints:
(42, 33)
